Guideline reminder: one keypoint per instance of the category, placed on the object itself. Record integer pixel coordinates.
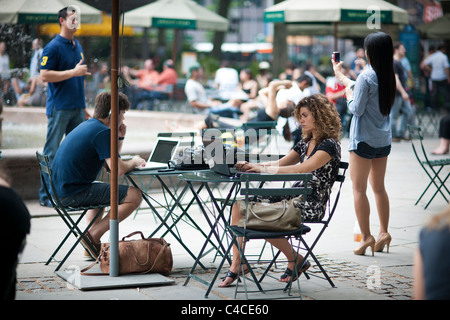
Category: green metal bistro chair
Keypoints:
(66, 213)
(249, 191)
(323, 224)
(432, 168)
(260, 135)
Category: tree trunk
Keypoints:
(219, 36)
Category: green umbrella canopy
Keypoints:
(320, 11)
(43, 11)
(176, 14)
(436, 29)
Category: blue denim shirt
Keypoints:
(368, 124)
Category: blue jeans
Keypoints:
(225, 110)
(406, 110)
(60, 123)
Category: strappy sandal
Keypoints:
(301, 268)
(233, 276)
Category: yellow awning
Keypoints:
(99, 30)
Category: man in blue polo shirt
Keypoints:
(62, 66)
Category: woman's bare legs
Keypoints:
(361, 171)
(282, 244)
(359, 174)
(376, 179)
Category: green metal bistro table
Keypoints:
(172, 216)
(215, 221)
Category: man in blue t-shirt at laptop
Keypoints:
(63, 66)
(79, 160)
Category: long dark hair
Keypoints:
(380, 51)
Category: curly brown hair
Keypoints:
(326, 118)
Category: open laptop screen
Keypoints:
(163, 151)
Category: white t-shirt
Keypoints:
(227, 80)
(194, 91)
(438, 62)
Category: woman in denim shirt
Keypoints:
(370, 101)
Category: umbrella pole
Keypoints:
(335, 33)
(114, 223)
(175, 45)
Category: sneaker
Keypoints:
(45, 203)
(92, 248)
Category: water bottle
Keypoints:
(356, 232)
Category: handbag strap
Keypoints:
(132, 234)
(83, 271)
(272, 219)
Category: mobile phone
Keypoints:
(336, 56)
(166, 170)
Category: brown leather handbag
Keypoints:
(285, 215)
(146, 255)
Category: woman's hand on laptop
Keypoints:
(248, 167)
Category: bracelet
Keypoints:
(121, 138)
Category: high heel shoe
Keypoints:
(370, 242)
(384, 239)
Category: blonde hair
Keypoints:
(327, 122)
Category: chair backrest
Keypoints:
(250, 190)
(415, 134)
(256, 131)
(187, 139)
(334, 199)
(45, 169)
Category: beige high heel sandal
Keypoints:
(370, 242)
(385, 239)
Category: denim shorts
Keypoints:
(98, 193)
(365, 151)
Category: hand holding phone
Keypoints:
(336, 56)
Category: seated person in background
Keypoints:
(37, 96)
(79, 159)
(248, 84)
(270, 112)
(444, 136)
(226, 80)
(283, 105)
(165, 81)
(319, 153)
(199, 101)
(143, 81)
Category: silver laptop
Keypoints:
(162, 153)
(217, 157)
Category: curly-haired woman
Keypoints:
(319, 153)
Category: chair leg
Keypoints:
(72, 230)
(81, 236)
